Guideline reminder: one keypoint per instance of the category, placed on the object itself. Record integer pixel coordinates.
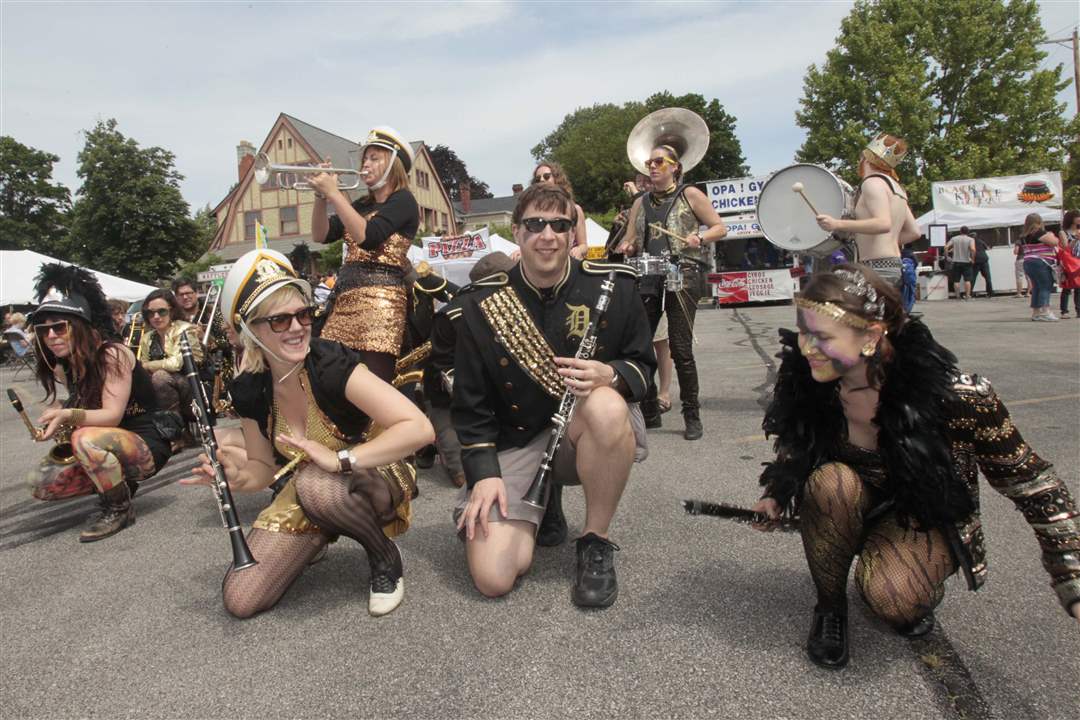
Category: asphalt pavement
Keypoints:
(710, 622)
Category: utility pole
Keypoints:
(1076, 60)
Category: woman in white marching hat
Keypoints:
(369, 301)
(312, 399)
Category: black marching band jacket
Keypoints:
(506, 386)
(937, 428)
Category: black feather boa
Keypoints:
(807, 419)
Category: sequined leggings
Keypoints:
(356, 506)
(900, 572)
(104, 457)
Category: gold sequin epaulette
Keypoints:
(601, 267)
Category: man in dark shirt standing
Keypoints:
(514, 360)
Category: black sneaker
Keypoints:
(653, 421)
(425, 457)
(595, 584)
(828, 644)
(552, 530)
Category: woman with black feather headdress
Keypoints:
(118, 437)
(880, 440)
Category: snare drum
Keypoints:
(789, 223)
(674, 280)
(647, 264)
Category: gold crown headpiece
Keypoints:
(888, 149)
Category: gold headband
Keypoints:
(833, 311)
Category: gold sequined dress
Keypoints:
(370, 300)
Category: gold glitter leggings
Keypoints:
(900, 572)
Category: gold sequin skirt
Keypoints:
(369, 318)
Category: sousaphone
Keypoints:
(682, 129)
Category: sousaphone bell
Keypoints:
(682, 129)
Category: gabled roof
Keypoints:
(483, 206)
(341, 151)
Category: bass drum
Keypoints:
(789, 223)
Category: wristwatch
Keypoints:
(344, 461)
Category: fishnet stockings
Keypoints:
(831, 518)
(281, 557)
(900, 573)
(356, 506)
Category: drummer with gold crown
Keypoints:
(883, 222)
(369, 304)
(667, 222)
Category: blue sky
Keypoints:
(488, 79)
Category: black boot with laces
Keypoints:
(828, 643)
(594, 584)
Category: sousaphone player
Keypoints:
(665, 222)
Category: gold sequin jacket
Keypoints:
(937, 429)
(173, 361)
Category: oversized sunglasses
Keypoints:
(537, 225)
(542, 177)
(283, 321)
(59, 328)
(159, 312)
(658, 162)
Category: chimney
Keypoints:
(245, 158)
(466, 199)
(517, 189)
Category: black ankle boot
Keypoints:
(552, 530)
(116, 514)
(693, 429)
(595, 585)
(828, 643)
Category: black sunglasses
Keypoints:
(542, 177)
(160, 312)
(59, 328)
(537, 225)
(282, 322)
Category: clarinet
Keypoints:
(242, 558)
(536, 496)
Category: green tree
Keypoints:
(1071, 176)
(193, 268)
(454, 175)
(590, 144)
(958, 79)
(32, 206)
(130, 218)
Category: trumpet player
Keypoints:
(118, 437)
(514, 362)
(368, 312)
(310, 401)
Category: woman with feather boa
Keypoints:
(879, 441)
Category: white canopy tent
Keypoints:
(18, 268)
(597, 233)
(986, 218)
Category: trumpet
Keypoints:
(61, 453)
(264, 169)
(135, 332)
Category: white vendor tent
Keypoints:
(986, 218)
(597, 234)
(18, 268)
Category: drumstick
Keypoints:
(661, 228)
(798, 187)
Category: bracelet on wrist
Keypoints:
(78, 416)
